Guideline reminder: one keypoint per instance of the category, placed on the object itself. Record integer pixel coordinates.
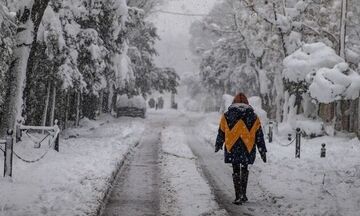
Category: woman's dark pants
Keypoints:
(240, 179)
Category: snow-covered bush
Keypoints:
(310, 127)
(307, 59)
(327, 75)
(298, 67)
(337, 83)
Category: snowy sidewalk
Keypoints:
(75, 180)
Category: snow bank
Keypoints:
(310, 127)
(87, 123)
(313, 185)
(184, 191)
(73, 181)
(333, 84)
(307, 59)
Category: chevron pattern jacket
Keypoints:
(240, 132)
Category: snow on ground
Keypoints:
(184, 190)
(307, 186)
(75, 180)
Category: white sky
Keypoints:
(174, 33)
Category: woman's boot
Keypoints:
(237, 187)
(244, 182)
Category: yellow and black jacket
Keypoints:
(240, 130)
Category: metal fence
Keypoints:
(8, 143)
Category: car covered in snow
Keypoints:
(130, 106)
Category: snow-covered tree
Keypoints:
(29, 15)
(7, 31)
(243, 32)
(270, 31)
(142, 37)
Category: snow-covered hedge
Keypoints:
(327, 74)
(333, 84)
(310, 127)
(307, 59)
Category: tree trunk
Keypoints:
(78, 98)
(279, 89)
(338, 113)
(101, 100)
(286, 106)
(67, 109)
(29, 22)
(338, 117)
(110, 98)
(358, 117)
(352, 118)
(47, 100)
(282, 36)
(52, 118)
(343, 28)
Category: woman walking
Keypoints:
(240, 131)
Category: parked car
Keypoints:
(133, 107)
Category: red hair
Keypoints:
(241, 98)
